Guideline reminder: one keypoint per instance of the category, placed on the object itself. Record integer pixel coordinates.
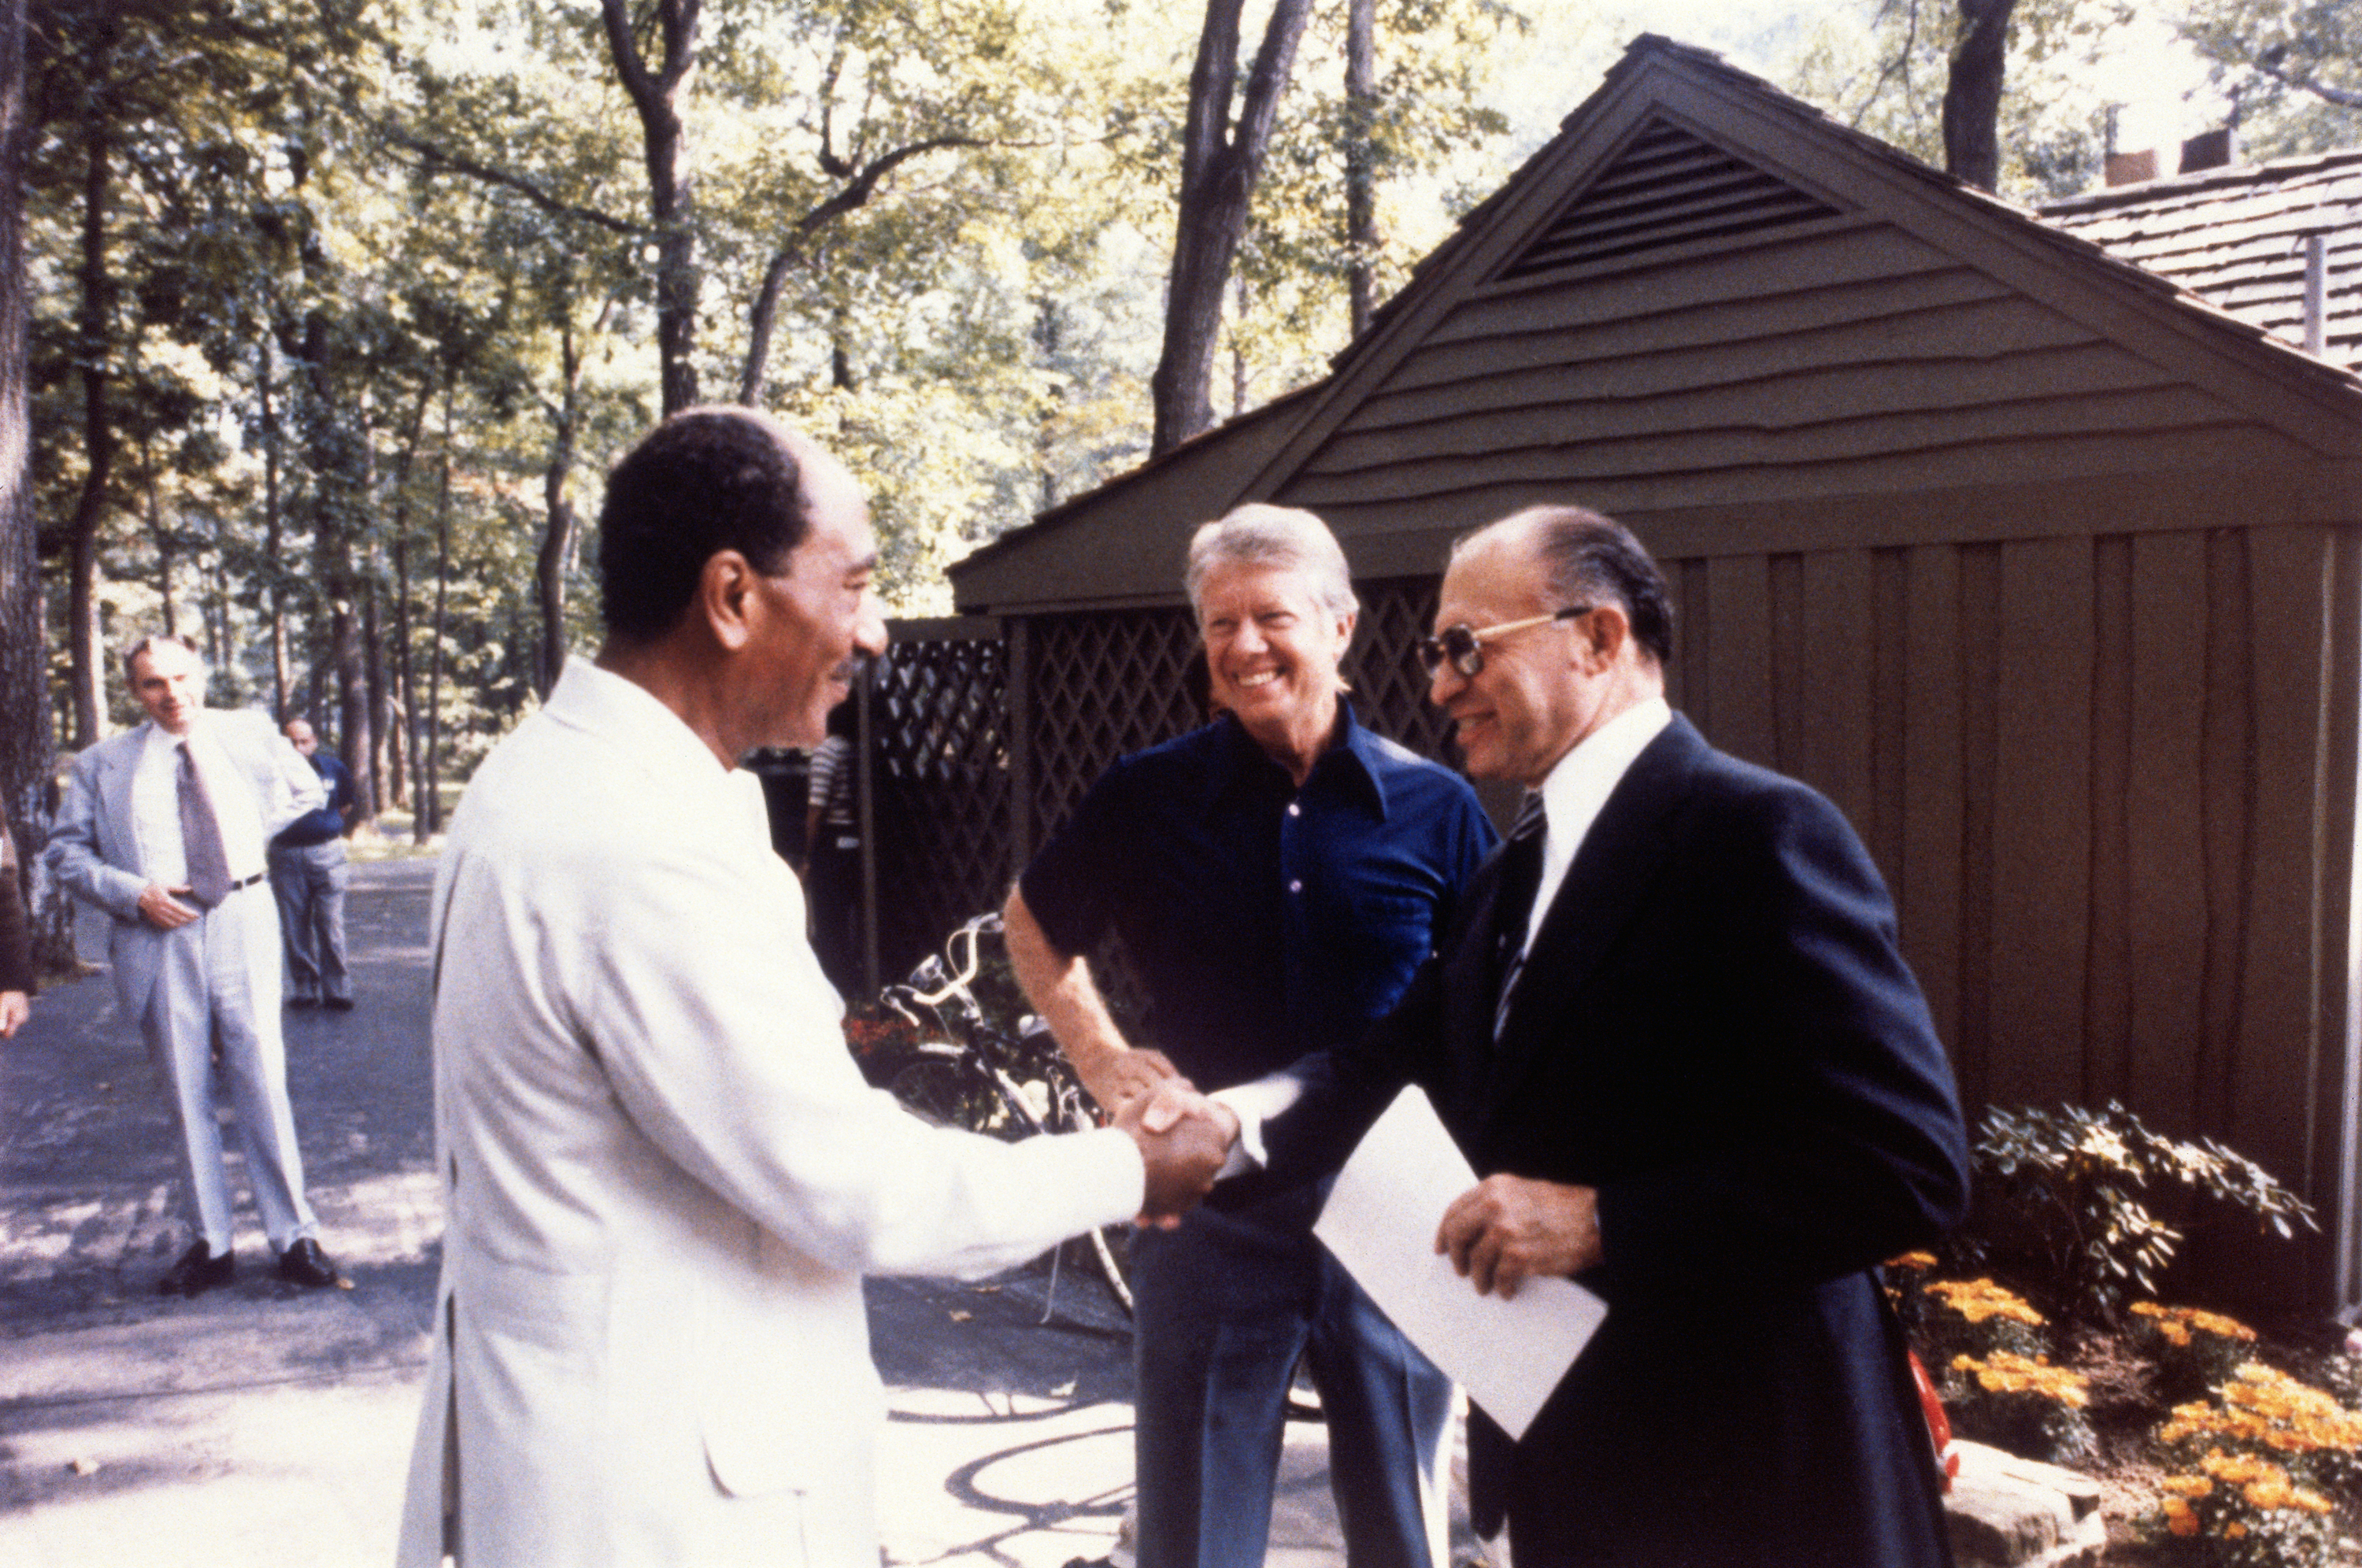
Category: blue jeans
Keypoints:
(1227, 1304)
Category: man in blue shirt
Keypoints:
(307, 875)
(1275, 878)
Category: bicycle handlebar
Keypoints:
(967, 966)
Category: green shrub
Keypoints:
(2059, 1203)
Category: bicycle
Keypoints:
(965, 1070)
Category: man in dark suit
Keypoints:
(1670, 1028)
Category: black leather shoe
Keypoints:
(340, 1004)
(197, 1272)
(300, 1002)
(305, 1264)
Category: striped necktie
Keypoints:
(1521, 878)
(200, 836)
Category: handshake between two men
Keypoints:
(1498, 1233)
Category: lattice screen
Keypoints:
(939, 724)
(1110, 682)
(1103, 684)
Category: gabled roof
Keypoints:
(2235, 237)
(1704, 302)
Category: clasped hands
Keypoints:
(1183, 1139)
(1499, 1233)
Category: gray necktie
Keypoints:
(1521, 878)
(201, 838)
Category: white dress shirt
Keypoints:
(1578, 787)
(156, 807)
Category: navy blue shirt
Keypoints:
(326, 822)
(1262, 920)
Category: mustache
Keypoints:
(851, 667)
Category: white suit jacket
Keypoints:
(666, 1175)
(94, 850)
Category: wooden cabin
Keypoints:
(2045, 570)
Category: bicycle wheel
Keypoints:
(1111, 1247)
(944, 1086)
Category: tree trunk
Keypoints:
(1361, 161)
(1220, 164)
(401, 731)
(168, 610)
(430, 816)
(275, 600)
(1972, 93)
(27, 736)
(669, 189)
(761, 322)
(374, 666)
(558, 530)
(355, 739)
(87, 663)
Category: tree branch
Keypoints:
(435, 158)
(857, 193)
(617, 16)
(2344, 97)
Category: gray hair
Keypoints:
(152, 640)
(1258, 534)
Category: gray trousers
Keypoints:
(214, 983)
(309, 884)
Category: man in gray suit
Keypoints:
(165, 829)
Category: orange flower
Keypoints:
(1977, 1300)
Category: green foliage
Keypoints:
(378, 279)
(2059, 1202)
(2294, 67)
(1887, 79)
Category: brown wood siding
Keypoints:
(1853, 359)
(2103, 778)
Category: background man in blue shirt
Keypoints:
(307, 875)
(1275, 877)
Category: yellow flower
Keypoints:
(2182, 1523)
(2235, 1531)
(1921, 1261)
(1977, 1300)
(2187, 1486)
(2176, 1322)
(2006, 1372)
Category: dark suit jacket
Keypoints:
(1715, 1030)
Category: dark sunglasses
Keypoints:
(1463, 646)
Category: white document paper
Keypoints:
(1380, 1222)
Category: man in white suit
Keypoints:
(165, 828)
(666, 1176)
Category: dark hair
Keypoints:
(130, 677)
(1585, 555)
(705, 481)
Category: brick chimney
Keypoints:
(2130, 168)
(2210, 150)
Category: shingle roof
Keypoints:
(2235, 238)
